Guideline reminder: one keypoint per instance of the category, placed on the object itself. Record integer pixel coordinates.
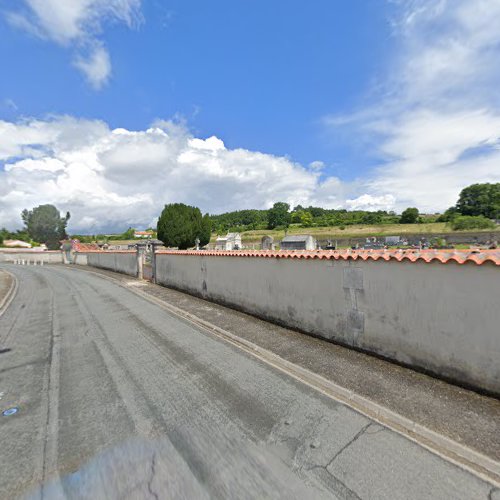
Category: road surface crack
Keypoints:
(355, 438)
(153, 473)
(351, 441)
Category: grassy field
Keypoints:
(332, 233)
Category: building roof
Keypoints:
(17, 243)
(229, 236)
(143, 232)
(478, 257)
(296, 238)
(84, 247)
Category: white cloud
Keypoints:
(110, 179)
(317, 165)
(437, 124)
(78, 24)
(372, 203)
(96, 66)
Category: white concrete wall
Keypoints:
(120, 262)
(47, 257)
(444, 318)
(80, 258)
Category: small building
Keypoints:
(267, 243)
(298, 242)
(232, 241)
(143, 234)
(16, 244)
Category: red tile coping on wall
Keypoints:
(105, 251)
(443, 256)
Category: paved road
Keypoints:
(118, 398)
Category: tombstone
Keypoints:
(197, 243)
(267, 243)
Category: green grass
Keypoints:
(357, 231)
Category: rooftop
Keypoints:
(297, 238)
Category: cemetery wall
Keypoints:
(80, 258)
(121, 262)
(30, 256)
(440, 317)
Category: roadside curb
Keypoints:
(9, 297)
(466, 458)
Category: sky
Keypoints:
(112, 108)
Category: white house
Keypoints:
(143, 234)
(16, 244)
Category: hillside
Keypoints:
(355, 231)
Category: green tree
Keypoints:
(409, 216)
(179, 225)
(279, 215)
(371, 218)
(128, 234)
(306, 219)
(464, 222)
(1, 240)
(44, 224)
(296, 215)
(480, 199)
(206, 230)
(448, 215)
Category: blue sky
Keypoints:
(112, 108)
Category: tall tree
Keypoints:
(179, 225)
(44, 224)
(279, 215)
(409, 216)
(206, 230)
(480, 199)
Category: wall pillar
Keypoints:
(141, 248)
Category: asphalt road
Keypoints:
(117, 398)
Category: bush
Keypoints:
(463, 222)
(409, 216)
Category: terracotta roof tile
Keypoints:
(444, 256)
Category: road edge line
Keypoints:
(9, 297)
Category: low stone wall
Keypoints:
(440, 317)
(120, 262)
(31, 256)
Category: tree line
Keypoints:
(477, 205)
(179, 225)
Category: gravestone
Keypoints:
(267, 243)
